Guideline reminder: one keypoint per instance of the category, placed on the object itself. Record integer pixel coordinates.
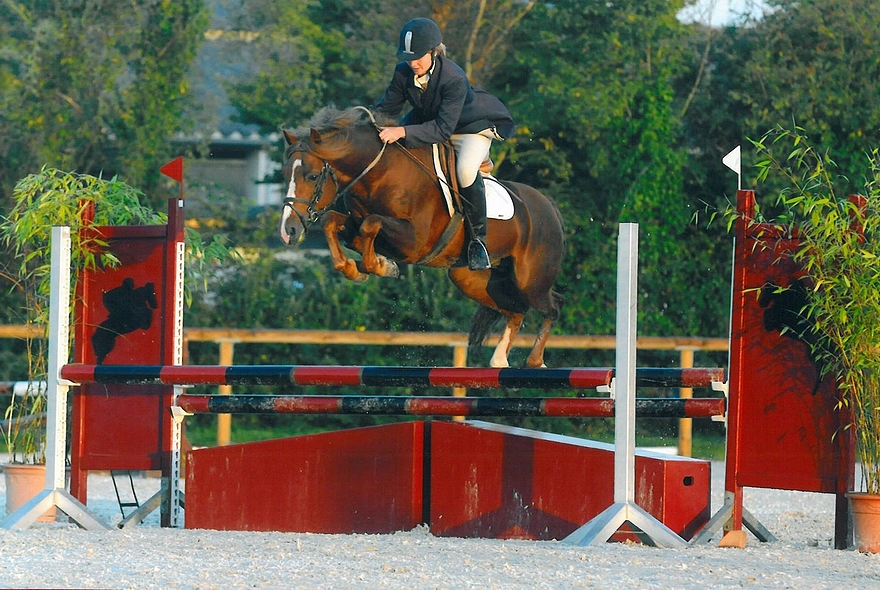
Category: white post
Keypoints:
(625, 510)
(56, 417)
(625, 360)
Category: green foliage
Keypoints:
(51, 198)
(312, 53)
(839, 252)
(307, 293)
(97, 88)
(807, 63)
(593, 86)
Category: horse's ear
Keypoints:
(290, 139)
(315, 136)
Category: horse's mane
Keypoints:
(336, 126)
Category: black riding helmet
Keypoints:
(418, 37)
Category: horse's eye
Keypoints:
(312, 177)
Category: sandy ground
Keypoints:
(60, 555)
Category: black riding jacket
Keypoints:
(448, 105)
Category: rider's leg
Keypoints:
(470, 151)
(474, 198)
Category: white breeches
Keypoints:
(471, 150)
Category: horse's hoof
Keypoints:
(391, 269)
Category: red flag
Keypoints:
(173, 169)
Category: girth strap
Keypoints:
(454, 223)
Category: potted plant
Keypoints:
(839, 250)
(50, 198)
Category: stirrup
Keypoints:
(478, 257)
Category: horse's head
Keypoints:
(309, 193)
(341, 137)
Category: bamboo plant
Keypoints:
(839, 251)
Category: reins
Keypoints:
(431, 173)
(314, 213)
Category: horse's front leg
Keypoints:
(333, 222)
(398, 232)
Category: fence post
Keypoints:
(685, 425)
(224, 421)
(459, 359)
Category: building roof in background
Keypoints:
(224, 57)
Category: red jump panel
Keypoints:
(481, 480)
(495, 481)
(364, 480)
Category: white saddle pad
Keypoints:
(499, 205)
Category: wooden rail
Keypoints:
(451, 339)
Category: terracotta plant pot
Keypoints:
(865, 510)
(23, 482)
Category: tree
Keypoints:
(592, 85)
(342, 52)
(810, 63)
(312, 53)
(477, 32)
(93, 86)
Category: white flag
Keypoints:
(733, 161)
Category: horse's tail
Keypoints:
(481, 324)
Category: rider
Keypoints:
(445, 107)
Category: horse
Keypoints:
(387, 203)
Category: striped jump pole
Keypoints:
(446, 406)
(681, 377)
(333, 375)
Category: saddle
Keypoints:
(499, 202)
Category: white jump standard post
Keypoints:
(55, 493)
(625, 510)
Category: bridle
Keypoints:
(313, 212)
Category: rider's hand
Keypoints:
(391, 134)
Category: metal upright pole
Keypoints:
(625, 510)
(55, 493)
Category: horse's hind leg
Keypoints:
(551, 315)
(505, 343)
(536, 357)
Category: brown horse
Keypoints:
(385, 202)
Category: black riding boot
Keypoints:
(474, 203)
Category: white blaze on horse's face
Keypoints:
(286, 210)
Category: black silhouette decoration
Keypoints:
(130, 309)
(783, 313)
